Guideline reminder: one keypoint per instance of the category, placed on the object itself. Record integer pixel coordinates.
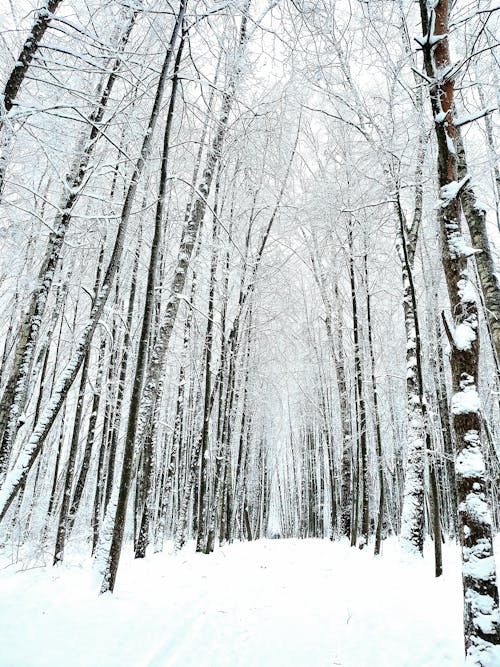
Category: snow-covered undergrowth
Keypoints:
(289, 603)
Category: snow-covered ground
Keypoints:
(279, 603)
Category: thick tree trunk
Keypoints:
(475, 216)
(412, 520)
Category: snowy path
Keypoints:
(264, 604)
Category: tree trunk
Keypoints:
(363, 478)
(378, 436)
(475, 216)
(147, 320)
(63, 525)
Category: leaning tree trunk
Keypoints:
(28, 51)
(481, 611)
(16, 78)
(62, 527)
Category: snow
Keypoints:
(289, 603)
(465, 401)
(470, 462)
(450, 191)
(485, 612)
(476, 507)
(431, 38)
(464, 336)
(449, 142)
(459, 246)
(469, 118)
(466, 290)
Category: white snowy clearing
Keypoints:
(290, 603)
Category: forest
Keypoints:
(250, 314)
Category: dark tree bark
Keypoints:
(208, 345)
(43, 17)
(378, 436)
(358, 372)
(28, 51)
(475, 216)
(119, 522)
(334, 334)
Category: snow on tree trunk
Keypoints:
(412, 520)
(475, 215)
